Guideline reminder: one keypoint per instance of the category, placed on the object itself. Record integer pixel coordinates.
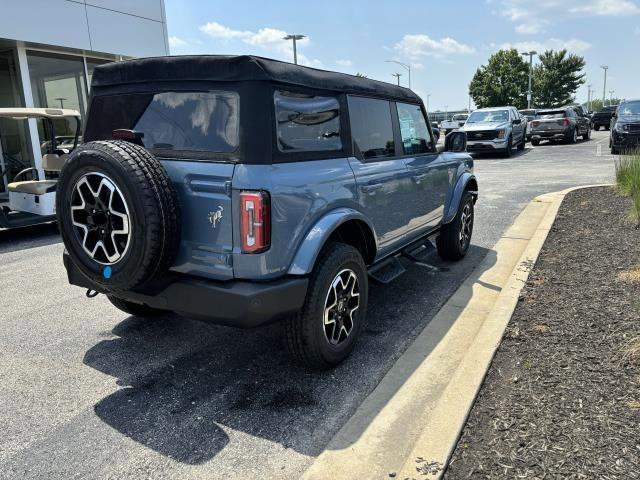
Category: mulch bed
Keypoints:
(562, 396)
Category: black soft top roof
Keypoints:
(242, 68)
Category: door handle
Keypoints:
(371, 188)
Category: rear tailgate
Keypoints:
(204, 191)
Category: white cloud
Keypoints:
(530, 28)
(176, 42)
(573, 45)
(531, 17)
(269, 39)
(614, 8)
(344, 63)
(419, 46)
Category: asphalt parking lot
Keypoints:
(88, 392)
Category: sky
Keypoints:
(444, 41)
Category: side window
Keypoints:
(413, 129)
(371, 127)
(307, 122)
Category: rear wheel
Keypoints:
(325, 330)
(573, 136)
(135, 309)
(455, 236)
(607, 127)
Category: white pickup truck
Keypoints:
(457, 121)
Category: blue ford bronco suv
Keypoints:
(242, 190)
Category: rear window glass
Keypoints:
(609, 108)
(307, 122)
(191, 121)
(371, 127)
(556, 114)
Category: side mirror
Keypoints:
(517, 121)
(615, 114)
(455, 142)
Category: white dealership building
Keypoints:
(48, 50)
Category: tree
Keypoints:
(503, 81)
(556, 78)
(596, 103)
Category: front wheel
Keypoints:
(325, 330)
(455, 236)
(509, 149)
(521, 145)
(535, 143)
(587, 136)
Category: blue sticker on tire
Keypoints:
(106, 272)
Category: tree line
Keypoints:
(504, 80)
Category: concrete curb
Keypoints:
(414, 417)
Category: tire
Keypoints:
(587, 136)
(141, 196)
(449, 243)
(509, 150)
(614, 150)
(535, 143)
(135, 309)
(574, 136)
(522, 144)
(307, 334)
(607, 127)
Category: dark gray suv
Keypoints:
(242, 190)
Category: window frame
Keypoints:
(301, 151)
(397, 136)
(433, 148)
(278, 156)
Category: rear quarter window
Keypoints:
(307, 123)
(181, 121)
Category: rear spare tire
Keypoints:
(118, 214)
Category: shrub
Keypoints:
(628, 180)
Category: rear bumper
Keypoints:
(550, 135)
(235, 303)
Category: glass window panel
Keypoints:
(371, 127)
(413, 129)
(191, 121)
(14, 143)
(307, 123)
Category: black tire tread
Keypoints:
(155, 188)
(447, 242)
(297, 330)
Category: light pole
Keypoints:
(604, 87)
(295, 38)
(397, 75)
(531, 54)
(406, 66)
(427, 105)
(589, 96)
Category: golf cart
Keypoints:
(32, 199)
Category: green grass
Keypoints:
(628, 180)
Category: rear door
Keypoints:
(428, 170)
(382, 178)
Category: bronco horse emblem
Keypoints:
(216, 217)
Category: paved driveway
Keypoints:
(88, 392)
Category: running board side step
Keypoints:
(387, 271)
(391, 268)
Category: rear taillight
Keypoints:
(564, 121)
(255, 221)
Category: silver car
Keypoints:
(496, 129)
